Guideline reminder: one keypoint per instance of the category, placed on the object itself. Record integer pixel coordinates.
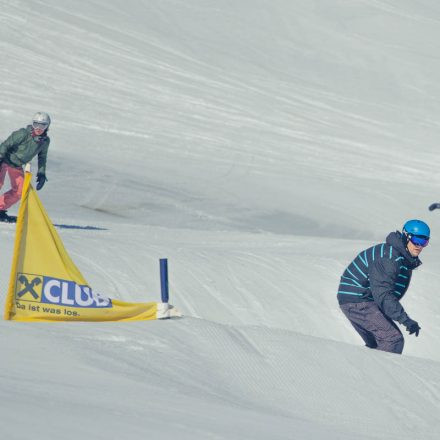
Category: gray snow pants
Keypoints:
(377, 330)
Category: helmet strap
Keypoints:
(405, 239)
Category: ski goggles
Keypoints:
(419, 240)
(39, 126)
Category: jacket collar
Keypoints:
(37, 139)
(397, 241)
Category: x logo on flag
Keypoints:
(29, 286)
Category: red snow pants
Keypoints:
(16, 176)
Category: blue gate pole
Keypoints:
(164, 280)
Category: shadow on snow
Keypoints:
(90, 228)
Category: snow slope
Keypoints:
(259, 146)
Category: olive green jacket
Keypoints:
(20, 148)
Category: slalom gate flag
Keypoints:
(45, 284)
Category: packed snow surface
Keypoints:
(259, 146)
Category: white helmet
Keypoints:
(41, 118)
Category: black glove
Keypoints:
(412, 326)
(41, 179)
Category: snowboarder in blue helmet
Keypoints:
(373, 284)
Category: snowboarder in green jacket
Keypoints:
(15, 152)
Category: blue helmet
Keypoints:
(416, 227)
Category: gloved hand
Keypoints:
(41, 179)
(412, 326)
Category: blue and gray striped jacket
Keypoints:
(382, 274)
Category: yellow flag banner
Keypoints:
(45, 284)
